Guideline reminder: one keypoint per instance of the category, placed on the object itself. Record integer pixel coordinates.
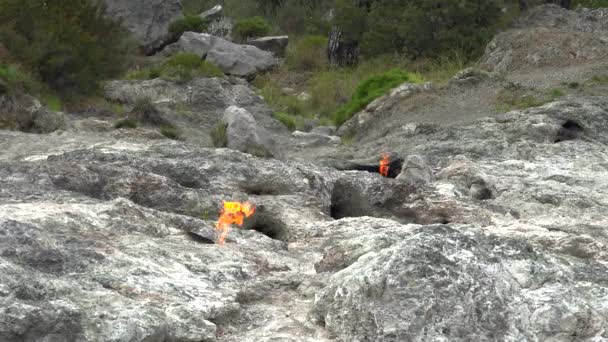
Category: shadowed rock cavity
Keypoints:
(570, 130)
(394, 169)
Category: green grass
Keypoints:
(371, 89)
(251, 28)
(170, 132)
(188, 23)
(219, 136)
(290, 121)
(129, 123)
(52, 102)
(180, 68)
(511, 99)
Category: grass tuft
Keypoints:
(219, 135)
(180, 68)
(127, 123)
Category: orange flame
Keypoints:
(232, 213)
(384, 164)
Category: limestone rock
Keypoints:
(416, 170)
(276, 44)
(148, 21)
(231, 58)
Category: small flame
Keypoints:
(232, 213)
(384, 164)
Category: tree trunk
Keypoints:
(341, 53)
(523, 5)
(564, 3)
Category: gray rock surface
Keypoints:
(212, 13)
(147, 20)
(562, 38)
(232, 59)
(199, 105)
(416, 170)
(242, 131)
(25, 113)
(275, 44)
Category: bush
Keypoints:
(171, 132)
(69, 43)
(371, 89)
(188, 23)
(251, 27)
(308, 53)
(126, 123)
(287, 120)
(180, 68)
(17, 79)
(419, 28)
(145, 111)
(219, 135)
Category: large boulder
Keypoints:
(147, 20)
(276, 44)
(25, 113)
(242, 131)
(562, 38)
(199, 105)
(437, 283)
(232, 59)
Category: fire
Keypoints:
(384, 164)
(232, 213)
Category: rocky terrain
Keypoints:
(490, 226)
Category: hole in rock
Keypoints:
(265, 222)
(570, 130)
(199, 238)
(394, 168)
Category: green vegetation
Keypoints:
(171, 132)
(69, 44)
(308, 53)
(180, 68)
(251, 28)
(419, 28)
(16, 78)
(145, 111)
(52, 102)
(219, 136)
(371, 89)
(287, 119)
(127, 123)
(188, 23)
(520, 98)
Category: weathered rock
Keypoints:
(276, 44)
(361, 120)
(434, 283)
(242, 131)
(416, 170)
(25, 113)
(231, 58)
(563, 38)
(212, 13)
(199, 105)
(148, 21)
(558, 18)
(312, 138)
(326, 130)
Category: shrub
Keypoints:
(145, 111)
(180, 68)
(308, 53)
(69, 43)
(171, 132)
(219, 135)
(287, 120)
(126, 123)
(371, 89)
(188, 23)
(251, 27)
(17, 79)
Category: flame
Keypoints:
(384, 164)
(232, 213)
